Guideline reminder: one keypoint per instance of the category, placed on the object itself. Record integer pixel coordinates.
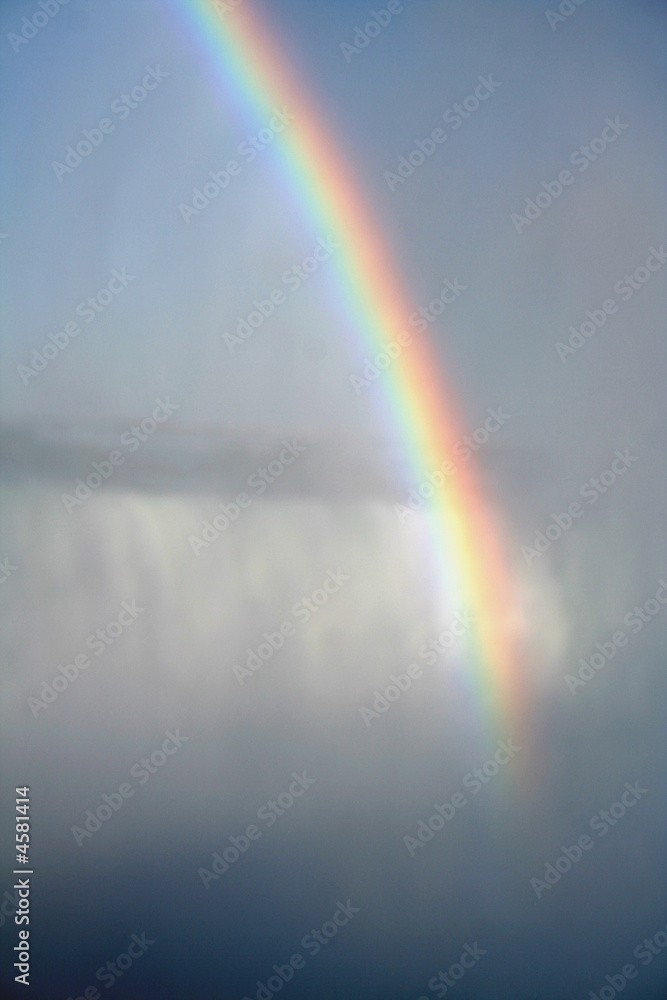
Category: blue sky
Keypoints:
(166, 291)
(119, 208)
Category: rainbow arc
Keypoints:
(467, 543)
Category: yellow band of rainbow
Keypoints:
(467, 544)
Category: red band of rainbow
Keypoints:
(467, 543)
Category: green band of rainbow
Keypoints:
(466, 542)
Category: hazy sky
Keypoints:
(451, 219)
(113, 225)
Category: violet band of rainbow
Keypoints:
(467, 541)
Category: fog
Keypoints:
(259, 669)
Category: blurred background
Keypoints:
(138, 302)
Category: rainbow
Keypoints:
(467, 544)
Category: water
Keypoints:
(170, 669)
